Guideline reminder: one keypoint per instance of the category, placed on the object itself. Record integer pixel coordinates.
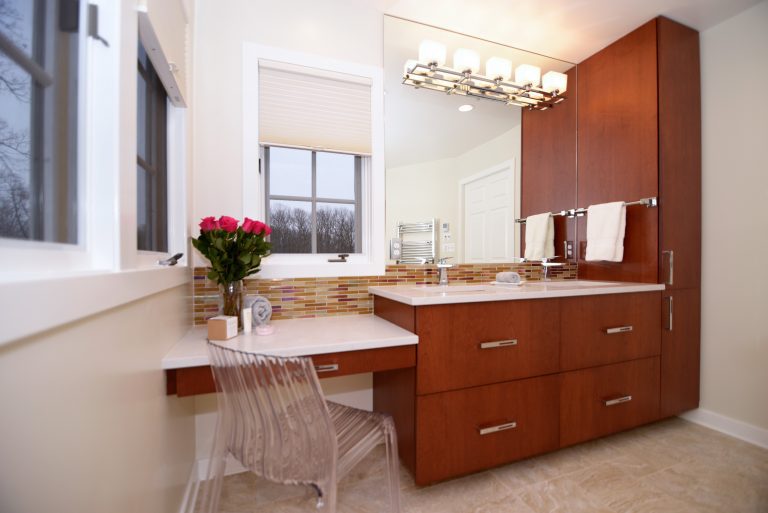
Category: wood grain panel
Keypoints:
(583, 412)
(680, 151)
(448, 438)
(199, 380)
(548, 163)
(394, 392)
(395, 312)
(584, 321)
(618, 148)
(449, 352)
(680, 352)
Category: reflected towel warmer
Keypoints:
(422, 249)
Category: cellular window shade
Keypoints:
(312, 108)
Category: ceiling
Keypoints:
(571, 30)
(425, 126)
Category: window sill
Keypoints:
(317, 266)
(40, 302)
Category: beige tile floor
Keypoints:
(670, 466)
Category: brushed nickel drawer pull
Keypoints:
(497, 428)
(330, 367)
(618, 329)
(498, 343)
(618, 400)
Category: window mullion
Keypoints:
(314, 202)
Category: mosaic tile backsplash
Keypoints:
(294, 298)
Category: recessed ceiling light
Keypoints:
(466, 108)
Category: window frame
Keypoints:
(371, 260)
(314, 199)
(155, 160)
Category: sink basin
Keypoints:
(450, 289)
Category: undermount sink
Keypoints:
(450, 289)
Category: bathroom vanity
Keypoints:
(507, 373)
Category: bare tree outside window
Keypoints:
(313, 201)
(38, 119)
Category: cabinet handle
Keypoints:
(330, 367)
(618, 400)
(670, 267)
(670, 312)
(498, 343)
(618, 329)
(495, 429)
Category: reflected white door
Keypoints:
(489, 216)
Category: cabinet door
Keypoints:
(468, 430)
(679, 155)
(548, 169)
(597, 330)
(470, 344)
(618, 149)
(680, 351)
(603, 400)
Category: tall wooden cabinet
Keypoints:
(639, 135)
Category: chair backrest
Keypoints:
(273, 415)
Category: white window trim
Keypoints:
(372, 259)
(70, 282)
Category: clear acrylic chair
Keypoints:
(274, 420)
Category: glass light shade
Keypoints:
(552, 80)
(408, 66)
(496, 67)
(527, 74)
(464, 60)
(431, 51)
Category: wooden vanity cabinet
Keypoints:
(598, 330)
(541, 381)
(469, 344)
(602, 400)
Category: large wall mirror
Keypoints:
(445, 162)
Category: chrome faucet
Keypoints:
(442, 271)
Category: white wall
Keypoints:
(86, 425)
(425, 190)
(734, 363)
(341, 29)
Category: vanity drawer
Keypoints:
(471, 344)
(469, 430)
(597, 330)
(603, 400)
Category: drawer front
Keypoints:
(473, 344)
(598, 330)
(600, 401)
(465, 431)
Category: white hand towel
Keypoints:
(539, 236)
(605, 231)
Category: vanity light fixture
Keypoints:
(529, 89)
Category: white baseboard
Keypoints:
(730, 426)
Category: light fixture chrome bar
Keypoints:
(464, 83)
(580, 212)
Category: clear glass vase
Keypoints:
(232, 300)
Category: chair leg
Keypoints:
(215, 478)
(326, 496)
(393, 465)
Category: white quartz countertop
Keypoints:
(297, 337)
(417, 295)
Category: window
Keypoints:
(313, 200)
(152, 161)
(38, 120)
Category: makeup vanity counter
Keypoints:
(339, 346)
(504, 373)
